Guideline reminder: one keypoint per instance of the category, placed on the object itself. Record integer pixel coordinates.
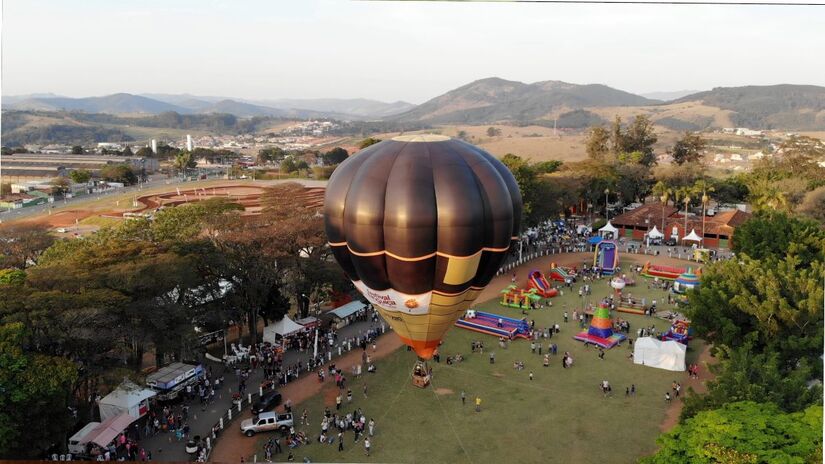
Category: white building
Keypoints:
(189, 144)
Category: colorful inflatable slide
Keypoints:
(606, 256)
(488, 323)
(514, 297)
(537, 281)
(561, 274)
(600, 331)
(664, 272)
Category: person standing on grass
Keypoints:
(340, 441)
(372, 427)
(463, 398)
(367, 445)
(478, 404)
(338, 402)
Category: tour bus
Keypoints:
(171, 380)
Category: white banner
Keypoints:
(395, 301)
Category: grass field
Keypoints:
(560, 416)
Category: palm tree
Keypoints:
(661, 190)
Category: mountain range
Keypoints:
(495, 100)
(125, 103)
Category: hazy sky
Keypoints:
(396, 51)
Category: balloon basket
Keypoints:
(421, 374)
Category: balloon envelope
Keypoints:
(421, 224)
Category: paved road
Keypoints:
(164, 446)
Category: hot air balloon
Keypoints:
(421, 224)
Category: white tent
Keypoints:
(692, 236)
(669, 355)
(654, 233)
(607, 230)
(282, 328)
(127, 398)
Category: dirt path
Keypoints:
(233, 444)
(698, 385)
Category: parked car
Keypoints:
(267, 402)
(267, 422)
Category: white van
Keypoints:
(77, 444)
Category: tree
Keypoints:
(813, 205)
(598, 142)
(688, 149)
(777, 235)
(335, 156)
(641, 137)
(493, 132)
(271, 155)
(145, 152)
(119, 173)
(127, 151)
(367, 142)
(462, 134)
(60, 186)
(731, 190)
(183, 161)
(21, 245)
(34, 392)
(744, 432)
(80, 176)
(5, 189)
(77, 150)
(288, 165)
(744, 373)
(661, 190)
(617, 137)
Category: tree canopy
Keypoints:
(744, 432)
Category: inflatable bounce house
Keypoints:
(600, 331)
(488, 323)
(686, 281)
(606, 256)
(536, 280)
(562, 274)
(515, 297)
(680, 331)
(664, 272)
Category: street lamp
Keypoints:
(705, 200)
(664, 202)
(606, 211)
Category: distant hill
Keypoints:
(360, 107)
(494, 99)
(119, 103)
(785, 106)
(124, 103)
(669, 95)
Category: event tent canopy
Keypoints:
(692, 236)
(594, 240)
(669, 355)
(609, 229)
(282, 328)
(348, 309)
(127, 398)
(654, 233)
(104, 433)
